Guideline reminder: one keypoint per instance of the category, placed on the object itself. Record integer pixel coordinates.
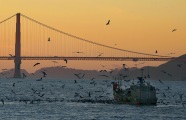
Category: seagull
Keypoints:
(2, 101)
(41, 95)
(104, 75)
(161, 81)
(89, 94)
(78, 52)
(39, 79)
(99, 55)
(171, 53)
(13, 92)
(103, 65)
(164, 72)
(184, 105)
(76, 94)
(127, 80)
(75, 81)
(11, 55)
(148, 76)
(108, 23)
(49, 39)
(63, 86)
(179, 65)
(164, 95)
(36, 64)
(24, 75)
(44, 73)
(65, 60)
(54, 62)
(181, 96)
(77, 75)
(103, 71)
(174, 30)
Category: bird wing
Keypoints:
(36, 64)
(173, 30)
(108, 22)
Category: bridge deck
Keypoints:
(97, 58)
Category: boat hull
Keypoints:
(136, 95)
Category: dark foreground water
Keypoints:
(57, 99)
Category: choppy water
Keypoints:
(57, 99)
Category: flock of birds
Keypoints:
(98, 91)
(46, 91)
(167, 95)
(87, 96)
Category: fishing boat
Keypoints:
(140, 94)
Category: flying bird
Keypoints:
(108, 23)
(36, 64)
(44, 73)
(63, 86)
(78, 52)
(63, 66)
(171, 53)
(2, 101)
(54, 62)
(75, 81)
(104, 75)
(11, 55)
(156, 51)
(99, 54)
(49, 39)
(65, 60)
(41, 95)
(39, 79)
(164, 95)
(179, 65)
(13, 92)
(181, 96)
(161, 81)
(174, 30)
(13, 85)
(103, 65)
(24, 75)
(78, 75)
(183, 105)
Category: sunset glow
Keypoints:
(137, 25)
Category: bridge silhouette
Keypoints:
(23, 38)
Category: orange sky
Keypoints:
(136, 25)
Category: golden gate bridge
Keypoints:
(23, 38)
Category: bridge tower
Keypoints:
(17, 59)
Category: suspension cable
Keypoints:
(89, 40)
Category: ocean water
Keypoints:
(58, 99)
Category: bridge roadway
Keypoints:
(135, 59)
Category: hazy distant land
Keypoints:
(172, 70)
